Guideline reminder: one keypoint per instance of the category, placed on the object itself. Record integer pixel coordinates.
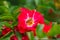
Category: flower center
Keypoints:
(30, 22)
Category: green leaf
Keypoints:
(36, 2)
(7, 17)
(54, 31)
(39, 32)
(7, 24)
(14, 24)
(46, 21)
(1, 24)
(14, 10)
(18, 35)
(30, 35)
(4, 10)
(4, 23)
(6, 4)
(30, 4)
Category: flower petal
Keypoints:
(47, 27)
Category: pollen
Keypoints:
(30, 22)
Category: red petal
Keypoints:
(25, 37)
(5, 30)
(58, 36)
(47, 27)
(13, 37)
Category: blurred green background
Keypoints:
(49, 8)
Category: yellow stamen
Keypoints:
(30, 22)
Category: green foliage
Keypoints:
(19, 36)
(54, 30)
(30, 35)
(7, 36)
(39, 32)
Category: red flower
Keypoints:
(34, 31)
(5, 30)
(13, 37)
(51, 11)
(28, 20)
(47, 27)
(25, 37)
(58, 36)
(15, 28)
